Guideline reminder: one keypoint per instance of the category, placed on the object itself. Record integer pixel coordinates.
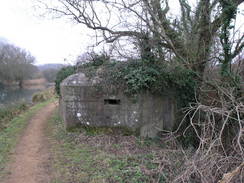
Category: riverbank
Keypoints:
(26, 83)
(7, 113)
(10, 95)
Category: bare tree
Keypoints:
(15, 64)
(189, 38)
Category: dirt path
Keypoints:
(30, 159)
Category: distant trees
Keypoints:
(16, 64)
(50, 74)
(49, 71)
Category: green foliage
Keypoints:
(127, 169)
(136, 76)
(61, 75)
(93, 131)
(229, 11)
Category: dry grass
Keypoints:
(40, 81)
(44, 95)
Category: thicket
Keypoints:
(61, 75)
(218, 126)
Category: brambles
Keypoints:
(219, 130)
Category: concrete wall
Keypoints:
(82, 103)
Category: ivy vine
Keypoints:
(136, 76)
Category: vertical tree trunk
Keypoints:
(21, 83)
(205, 38)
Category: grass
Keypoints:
(81, 157)
(8, 113)
(10, 134)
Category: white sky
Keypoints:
(49, 40)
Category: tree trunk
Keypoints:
(21, 83)
(205, 39)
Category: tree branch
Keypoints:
(216, 24)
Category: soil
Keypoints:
(31, 157)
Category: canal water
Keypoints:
(13, 95)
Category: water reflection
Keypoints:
(13, 95)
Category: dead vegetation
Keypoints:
(44, 95)
(219, 129)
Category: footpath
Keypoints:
(31, 155)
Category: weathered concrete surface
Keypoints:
(83, 103)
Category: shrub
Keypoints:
(43, 96)
(61, 75)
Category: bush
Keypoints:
(43, 96)
(61, 75)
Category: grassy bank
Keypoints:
(9, 113)
(82, 157)
(10, 134)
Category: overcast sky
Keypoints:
(49, 40)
